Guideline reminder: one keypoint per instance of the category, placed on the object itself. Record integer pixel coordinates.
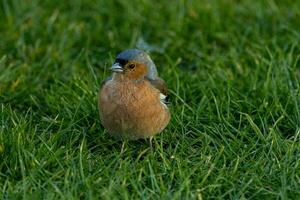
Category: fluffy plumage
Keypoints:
(132, 102)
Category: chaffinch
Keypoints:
(132, 102)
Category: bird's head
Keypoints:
(134, 64)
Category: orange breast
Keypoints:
(132, 110)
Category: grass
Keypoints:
(233, 68)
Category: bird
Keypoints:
(133, 101)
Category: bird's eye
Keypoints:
(131, 66)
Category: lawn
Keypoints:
(233, 70)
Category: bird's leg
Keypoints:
(123, 146)
(150, 143)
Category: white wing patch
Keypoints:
(163, 99)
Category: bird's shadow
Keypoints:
(102, 143)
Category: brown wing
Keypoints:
(159, 84)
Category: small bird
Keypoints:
(132, 102)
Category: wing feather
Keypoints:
(161, 85)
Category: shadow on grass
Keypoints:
(103, 144)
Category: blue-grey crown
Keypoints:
(140, 56)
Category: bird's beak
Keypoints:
(116, 67)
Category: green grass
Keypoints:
(233, 68)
